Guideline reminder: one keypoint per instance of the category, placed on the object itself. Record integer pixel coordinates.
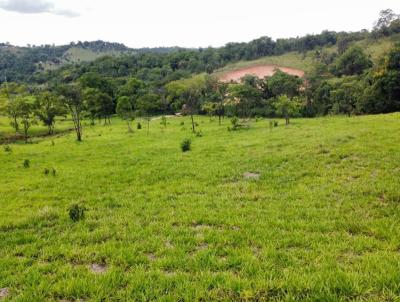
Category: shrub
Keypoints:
(273, 124)
(186, 145)
(27, 163)
(235, 124)
(139, 126)
(76, 212)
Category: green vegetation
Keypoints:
(319, 223)
(233, 206)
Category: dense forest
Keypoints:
(170, 80)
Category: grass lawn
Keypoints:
(321, 223)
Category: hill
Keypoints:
(316, 219)
(20, 63)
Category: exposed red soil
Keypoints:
(260, 71)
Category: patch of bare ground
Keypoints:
(97, 268)
(259, 71)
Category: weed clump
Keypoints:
(235, 124)
(199, 134)
(26, 163)
(47, 171)
(7, 148)
(76, 212)
(139, 126)
(186, 145)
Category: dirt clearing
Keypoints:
(260, 71)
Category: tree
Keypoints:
(383, 26)
(9, 93)
(353, 61)
(215, 94)
(382, 89)
(287, 108)
(98, 104)
(188, 93)
(147, 105)
(282, 83)
(90, 97)
(47, 108)
(245, 96)
(25, 112)
(125, 110)
(72, 98)
(210, 108)
(192, 94)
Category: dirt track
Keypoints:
(260, 71)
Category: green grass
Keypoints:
(78, 54)
(320, 224)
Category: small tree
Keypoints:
(25, 108)
(287, 108)
(210, 108)
(125, 110)
(147, 105)
(9, 93)
(47, 108)
(72, 98)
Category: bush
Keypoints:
(27, 163)
(76, 212)
(273, 124)
(139, 126)
(186, 145)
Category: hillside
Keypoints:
(305, 61)
(20, 63)
(316, 220)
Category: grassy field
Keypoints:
(7, 134)
(321, 223)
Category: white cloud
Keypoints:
(35, 7)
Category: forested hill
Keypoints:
(21, 63)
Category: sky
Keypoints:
(186, 23)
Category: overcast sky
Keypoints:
(188, 23)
